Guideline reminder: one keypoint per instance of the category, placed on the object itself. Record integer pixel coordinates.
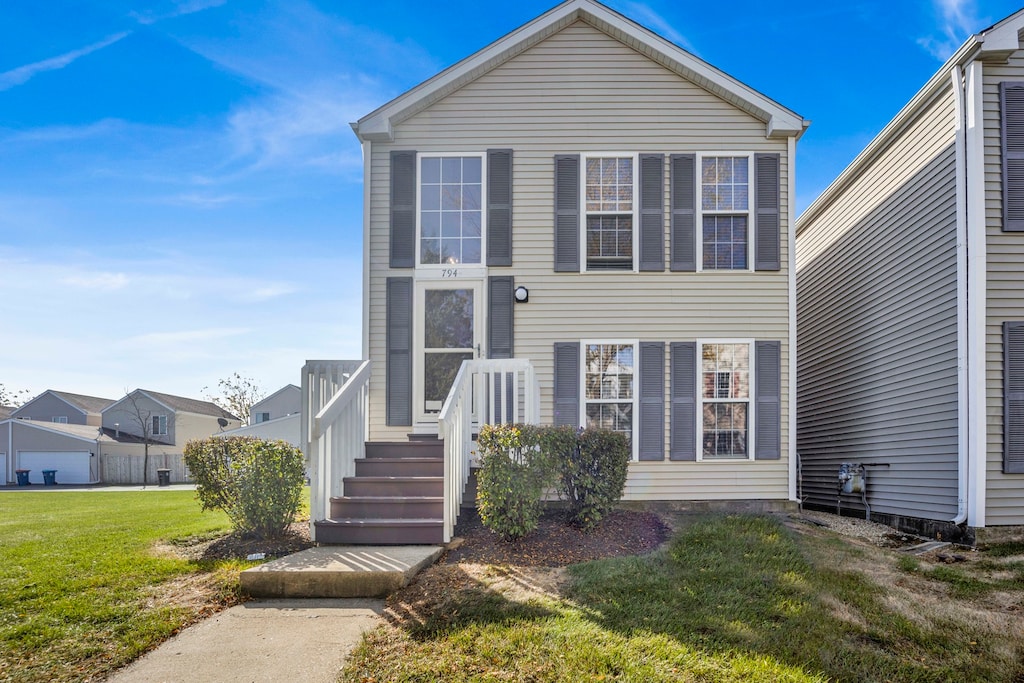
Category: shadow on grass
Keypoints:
(740, 585)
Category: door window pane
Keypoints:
(448, 319)
(439, 370)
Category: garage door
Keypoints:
(72, 466)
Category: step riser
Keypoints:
(404, 509)
(378, 535)
(397, 467)
(355, 486)
(403, 449)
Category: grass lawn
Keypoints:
(730, 598)
(82, 590)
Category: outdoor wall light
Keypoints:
(522, 295)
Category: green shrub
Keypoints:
(258, 483)
(592, 475)
(514, 473)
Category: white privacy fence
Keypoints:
(484, 392)
(335, 398)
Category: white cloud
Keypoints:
(100, 281)
(643, 14)
(22, 74)
(182, 8)
(176, 339)
(959, 19)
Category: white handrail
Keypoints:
(484, 392)
(335, 403)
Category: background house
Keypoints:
(275, 418)
(911, 305)
(106, 444)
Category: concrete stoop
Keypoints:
(339, 572)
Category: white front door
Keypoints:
(449, 317)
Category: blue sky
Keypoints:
(180, 191)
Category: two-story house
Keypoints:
(610, 213)
(275, 418)
(911, 306)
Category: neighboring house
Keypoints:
(63, 407)
(911, 305)
(84, 451)
(5, 411)
(613, 214)
(275, 418)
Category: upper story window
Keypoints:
(60, 419)
(609, 214)
(450, 210)
(159, 427)
(725, 400)
(725, 212)
(260, 417)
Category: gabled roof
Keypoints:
(80, 402)
(182, 404)
(286, 388)
(81, 432)
(779, 121)
(995, 43)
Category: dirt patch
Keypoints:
(556, 543)
(235, 546)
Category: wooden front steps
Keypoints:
(395, 498)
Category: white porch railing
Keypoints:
(335, 398)
(484, 392)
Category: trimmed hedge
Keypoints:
(519, 462)
(258, 483)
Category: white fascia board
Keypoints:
(780, 122)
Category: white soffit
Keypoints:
(780, 122)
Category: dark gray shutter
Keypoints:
(499, 316)
(499, 207)
(684, 212)
(766, 212)
(567, 213)
(403, 209)
(1011, 104)
(399, 347)
(650, 426)
(652, 212)
(768, 405)
(683, 389)
(1013, 397)
(567, 383)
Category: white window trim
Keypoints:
(158, 433)
(635, 343)
(635, 156)
(483, 213)
(749, 400)
(750, 212)
(59, 419)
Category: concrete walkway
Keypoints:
(261, 641)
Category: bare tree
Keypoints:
(237, 395)
(147, 420)
(15, 398)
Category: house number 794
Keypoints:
(450, 272)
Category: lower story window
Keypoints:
(609, 387)
(725, 400)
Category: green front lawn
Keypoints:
(731, 598)
(82, 590)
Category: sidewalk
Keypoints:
(261, 641)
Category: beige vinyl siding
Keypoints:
(876, 330)
(581, 91)
(1005, 301)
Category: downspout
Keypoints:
(962, 368)
(791, 233)
(977, 306)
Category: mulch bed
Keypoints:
(556, 543)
